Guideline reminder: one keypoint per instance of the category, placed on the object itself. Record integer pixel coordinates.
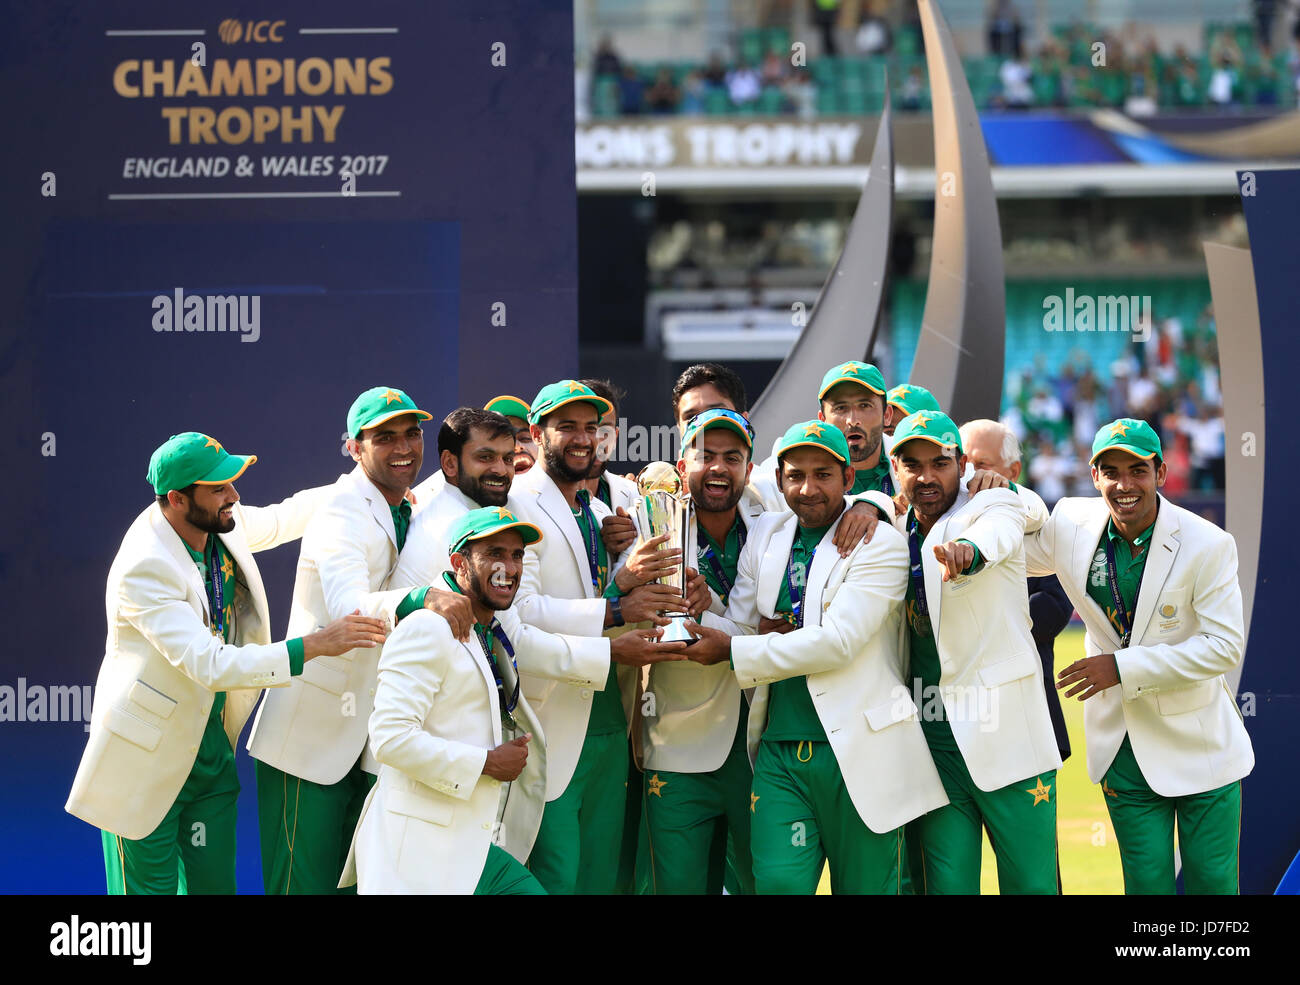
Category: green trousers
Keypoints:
(581, 838)
(802, 817)
(688, 816)
(1021, 821)
(634, 859)
(306, 828)
(192, 851)
(505, 875)
(1209, 832)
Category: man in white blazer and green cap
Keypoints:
(189, 649)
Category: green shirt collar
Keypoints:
(1139, 543)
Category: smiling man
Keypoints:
(516, 411)
(976, 673)
(314, 766)
(840, 762)
(462, 778)
(568, 588)
(1157, 588)
(189, 648)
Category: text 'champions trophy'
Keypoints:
(663, 506)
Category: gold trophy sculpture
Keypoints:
(664, 507)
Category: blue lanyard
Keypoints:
(724, 583)
(485, 640)
(216, 592)
(887, 484)
(796, 593)
(918, 576)
(1121, 610)
(590, 542)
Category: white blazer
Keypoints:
(622, 492)
(696, 708)
(556, 595)
(427, 824)
(162, 666)
(579, 661)
(992, 678)
(1172, 700)
(316, 727)
(850, 649)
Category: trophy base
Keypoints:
(676, 631)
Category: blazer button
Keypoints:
(486, 826)
(586, 694)
(372, 692)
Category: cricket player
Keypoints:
(309, 739)
(462, 778)
(840, 761)
(189, 649)
(1157, 588)
(977, 676)
(904, 399)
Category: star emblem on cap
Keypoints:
(574, 386)
(922, 419)
(813, 431)
(213, 443)
(391, 396)
(1119, 430)
(901, 392)
(504, 514)
(1041, 792)
(849, 369)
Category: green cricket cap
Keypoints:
(910, 398)
(719, 417)
(477, 524)
(555, 395)
(192, 457)
(863, 374)
(379, 404)
(1127, 434)
(815, 434)
(928, 425)
(509, 406)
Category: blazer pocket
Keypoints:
(1185, 699)
(325, 677)
(408, 803)
(1011, 669)
(151, 699)
(125, 725)
(902, 709)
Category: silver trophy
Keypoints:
(663, 506)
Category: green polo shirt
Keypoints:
(791, 715)
(1129, 566)
(726, 555)
(869, 480)
(607, 714)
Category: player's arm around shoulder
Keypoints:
(151, 597)
(741, 615)
(413, 670)
(270, 526)
(582, 661)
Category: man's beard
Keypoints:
(209, 523)
(472, 486)
(558, 467)
(869, 445)
(698, 501)
(477, 592)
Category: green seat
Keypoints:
(907, 41)
(771, 100)
(778, 41)
(828, 101)
(751, 46)
(824, 71)
(716, 101)
(606, 100)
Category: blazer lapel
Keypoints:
(824, 561)
(771, 569)
(378, 505)
(1162, 550)
(246, 569)
(1086, 539)
(553, 504)
(172, 545)
(475, 651)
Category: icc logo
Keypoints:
(232, 31)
